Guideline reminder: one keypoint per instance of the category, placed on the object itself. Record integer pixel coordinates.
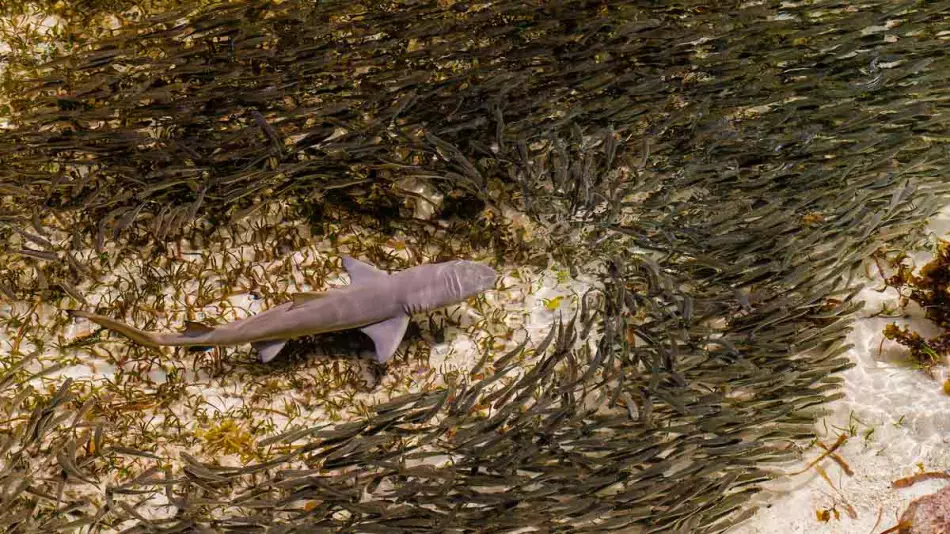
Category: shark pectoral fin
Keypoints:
(301, 298)
(269, 349)
(387, 335)
(193, 328)
(359, 271)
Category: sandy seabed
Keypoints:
(897, 422)
(896, 418)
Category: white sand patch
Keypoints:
(897, 419)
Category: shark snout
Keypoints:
(475, 277)
(485, 276)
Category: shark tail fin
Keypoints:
(139, 336)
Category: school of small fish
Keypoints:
(711, 177)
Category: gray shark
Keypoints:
(376, 302)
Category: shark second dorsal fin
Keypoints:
(387, 335)
(360, 271)
(194, 328)
(301, 298)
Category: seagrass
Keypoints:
(723, 169)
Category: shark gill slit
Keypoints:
(454, 276)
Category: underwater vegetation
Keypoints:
(929, 290)
(723, 173)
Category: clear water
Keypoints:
(899, 418)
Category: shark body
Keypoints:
(376, 302)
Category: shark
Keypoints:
(376, 302)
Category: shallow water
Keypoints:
(897, 418)
(730, 119)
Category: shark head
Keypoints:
(471, 278)
(436, 285)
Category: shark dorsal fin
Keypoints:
(301, 298)
(194, 328)
(387, 335)
(361, 272)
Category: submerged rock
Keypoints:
(929, 514)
